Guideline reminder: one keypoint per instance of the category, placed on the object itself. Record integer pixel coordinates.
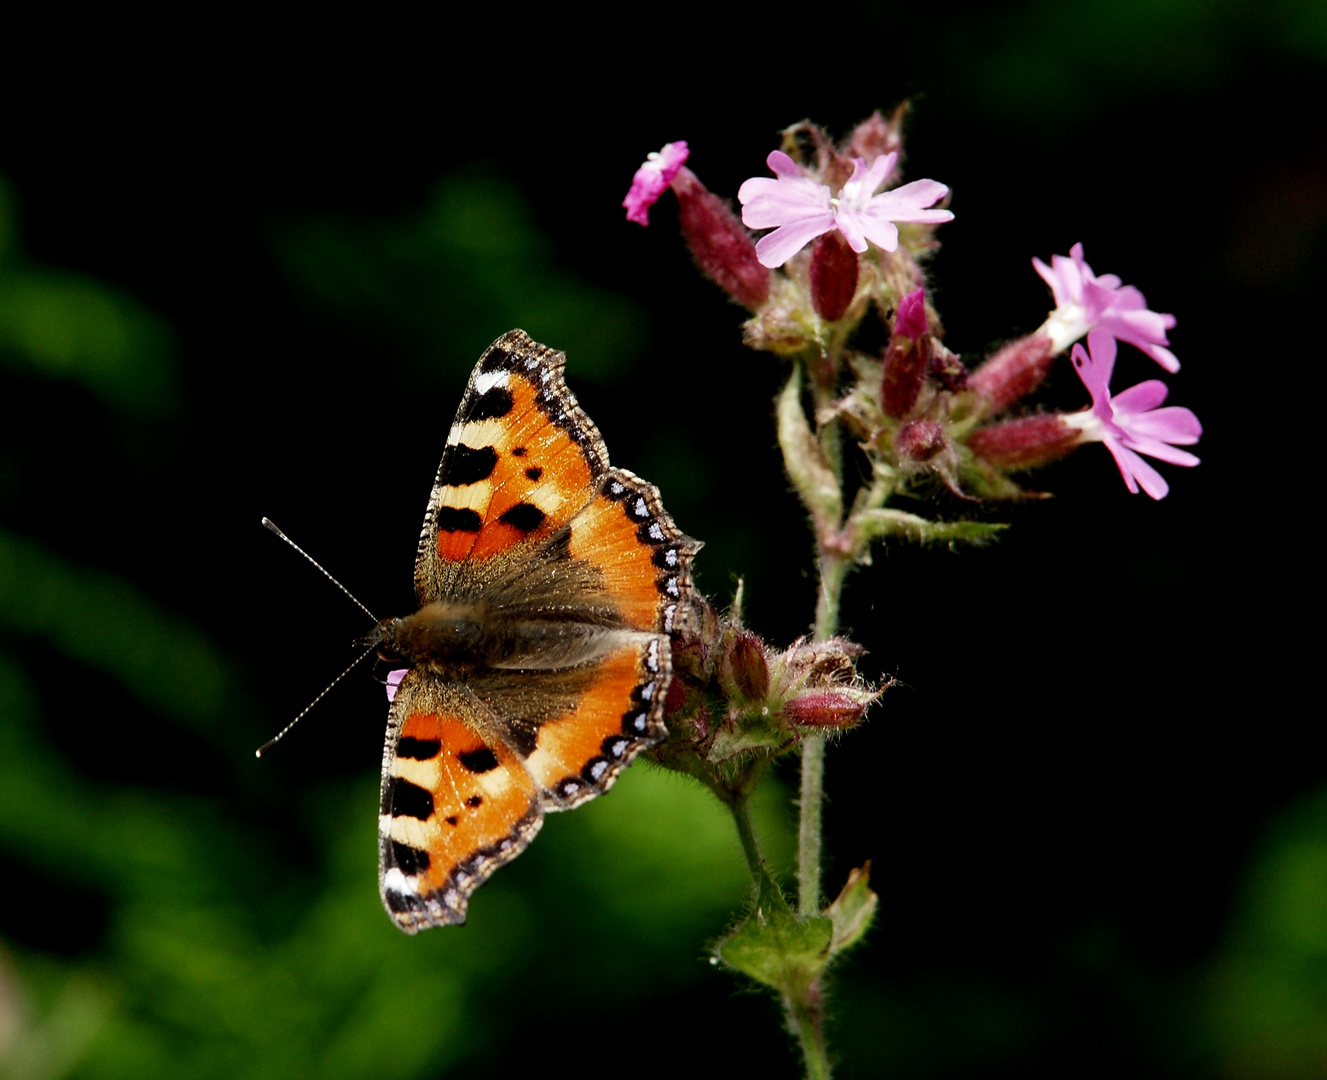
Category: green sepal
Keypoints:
(853, 911)
(750, 731)
(874, 524)
(804, 457)
(776, 947)
(984, 481)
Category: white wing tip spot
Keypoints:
(486, 380)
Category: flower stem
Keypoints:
(808, 826)
(740, 806)
(807, 1019)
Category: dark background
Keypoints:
(251, 277)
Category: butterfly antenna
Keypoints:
(281, 734)
(268, 524)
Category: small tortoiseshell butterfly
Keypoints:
(538, 661)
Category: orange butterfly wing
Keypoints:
(529, 524)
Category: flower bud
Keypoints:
(719, 242)
(1025, 443)
(920, 440)
(840, 707)
(1013, 372)
(947, 369)
(747, 665)
(904, 372)
(833, 275)
(875, 136)
(910, 319)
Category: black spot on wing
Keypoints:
(493, 405)
(478, 761)
(410, 800)
(534, 472)
(474, 800)
(467, 465)
(523, 516)
(451, 519)
(411, 860)
(418, 749)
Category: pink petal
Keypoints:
(1141, 398)
(864, 182)
(854, 228)
(1159, 450)
(394, 680)
(782, 244)
(880, 231)
(1091, 375)
(782, 165)
(1137, 472)
(1058, 291)
(913, 197)
(652, 180)
(1173, 424)
(767, 203)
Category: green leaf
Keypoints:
(776, 947)
(853, 910)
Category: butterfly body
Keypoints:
(539, 658)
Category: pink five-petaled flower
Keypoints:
(1084, 301)
(652, 180)
(1132, 422)
(799, 208)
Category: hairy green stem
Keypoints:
(807, 1019)
(740, 806)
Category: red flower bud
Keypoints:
(920, 440)
(750, 669)
(905, 367)
(827, 708)
(719, 242)
(1013, 372)
(833, 275)
(875, 136)
(1025, 443)
(910, 319)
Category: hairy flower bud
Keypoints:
(904, 371)
(920, 440)
(748, 667)
(833, 274)
(841, 707)
(719, 243)
(1013, 372)
(1025, 443)
(910, 319)
(875, 136)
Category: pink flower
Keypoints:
(394, 681)
(652, 180)
(1132, 422)
(799, 208)
(1084, 301)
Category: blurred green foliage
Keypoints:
(470, 259)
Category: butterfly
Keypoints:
(538, 661)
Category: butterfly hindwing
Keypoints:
(455, 805)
